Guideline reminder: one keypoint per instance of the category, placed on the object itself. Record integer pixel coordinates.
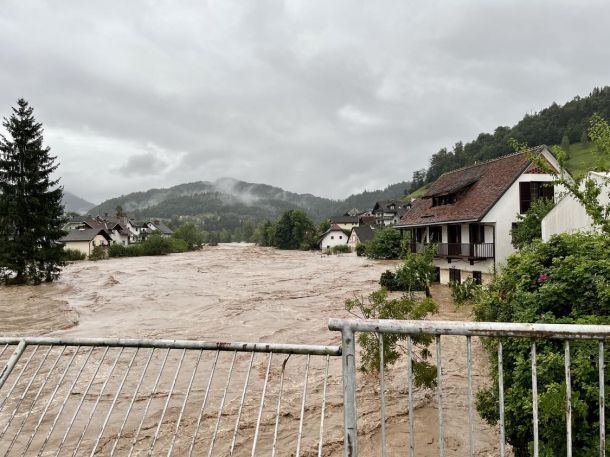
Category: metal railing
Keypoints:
(88, 396)
(437, 329)
(467, 250)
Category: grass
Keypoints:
(418, 193)
(583, 158)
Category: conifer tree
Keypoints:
(31, 213)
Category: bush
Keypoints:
(529, 227)
(565, 280)
(98, 253)
(360, 249)
(178, 245)
(390, 281)
(416, 273)
(341, 249)
(465, 291)
(385, 245)
(155, 244)
(73, 255)
(190, 235)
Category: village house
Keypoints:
(469, 213)
(389, 212)
(569, 216)
(85, 239)
(345, 222)
(360, 235)
(117, 231)
(334, 236)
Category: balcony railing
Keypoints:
(467, 250)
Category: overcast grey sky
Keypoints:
(328, 97)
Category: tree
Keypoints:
(386, 244)
(31, 213)
(191, 235)
(565, 144)
(295, 230)
(529, 227)
(562, 281)
(119, 211)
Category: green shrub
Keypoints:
(98, 253)
(566, 280)
(156, 244)
(341, 249)
(361, 249)
(178, 245)
(190, 235)
(385, 245)
(465, 291)
(529, 227)
(390, 281)
(73, 255)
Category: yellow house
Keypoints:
(84, 240)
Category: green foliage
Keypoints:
(529, 227)
(566, 280)
(378, 306)
(155, 244)
(73, 255)
(339, 249)
(465, 291)
(324, 226)
(31, 212)
(386, 244)
(177, 245)
(190, 235)
(295, 230)
(389, 280)
(98, 253)
(416, 273)
(361, 249)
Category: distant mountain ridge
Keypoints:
(232, 200)
(74, 204)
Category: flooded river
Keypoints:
(240, 292)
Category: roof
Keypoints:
(334, 228)
(364, 233)
(344, 219)
(162, 227)
(385, 206)
(85, 235)
(478, 187)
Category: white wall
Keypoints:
(333, 238)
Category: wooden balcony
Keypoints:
(470, 251)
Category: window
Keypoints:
(93, 243)
(455, 275)
(478, 278)
(448, 199)
(437, 275)
(340, 237)
(477, 233)
(332, 237)
(531, 191)
(435, 234)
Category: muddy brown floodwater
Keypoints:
(241, 292)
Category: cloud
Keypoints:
(303, 94)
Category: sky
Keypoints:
(322, 97)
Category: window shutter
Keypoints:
(525, 196)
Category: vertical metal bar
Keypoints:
(277, 409)
(114, 400)
(63, 404)
(148, 402)
(321, 439)
(568, 400)
(260, 410)
(21, 372)
(182, 408)
(205, 400)
(382, 394)
(602, 402)
(470, 396)
(3, 350)
(51, 397)
(222, 404)
(25, 391)
(241, 405)
(40, 389)
(8, 368)
(80, 403)
(410, 384)
(97, 401)
(133, 399)
(350, 434)
(439, 392)
(535, 399)
(300, 435)
(501, 399)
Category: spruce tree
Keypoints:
(31, 213)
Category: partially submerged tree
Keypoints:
(31, 213)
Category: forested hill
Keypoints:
(553, 125)
(226, 202)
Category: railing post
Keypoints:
(350, 431)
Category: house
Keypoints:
(85, 239)
(159, 226)
(360, 234)
(117, 231)
(569, 216)
(73, 222)
(389, 212)
(345, 222)
(469, 213)
(334, 236)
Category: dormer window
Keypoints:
(442, 200)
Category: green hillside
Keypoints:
(583, 158)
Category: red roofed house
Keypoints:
(470, 212)
(333, 237)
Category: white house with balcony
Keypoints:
(469, 213)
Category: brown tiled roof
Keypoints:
(478, 187)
